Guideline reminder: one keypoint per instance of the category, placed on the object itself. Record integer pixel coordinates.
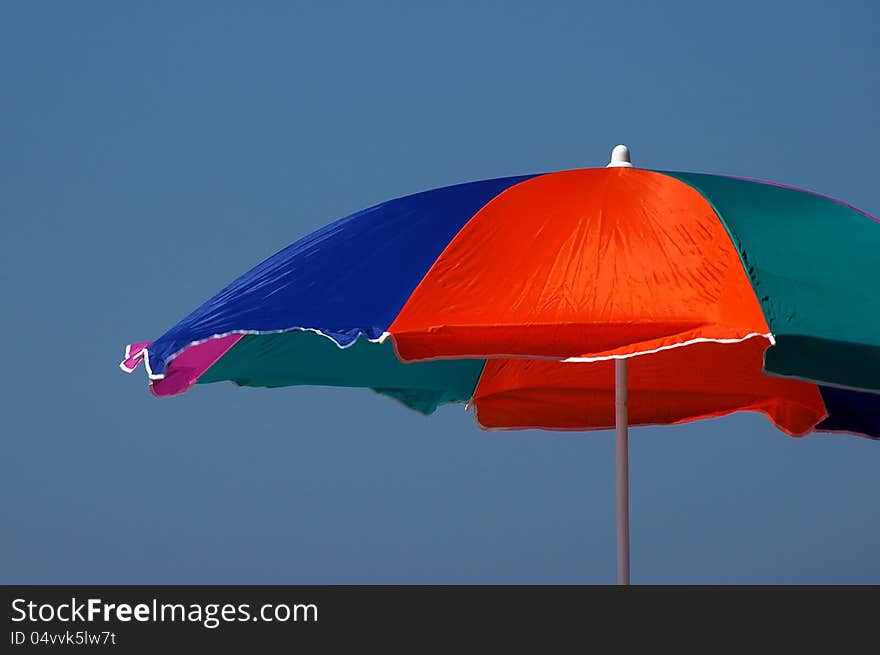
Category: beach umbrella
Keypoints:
(574, 300)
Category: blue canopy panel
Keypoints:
(349, 278)
(851, 411)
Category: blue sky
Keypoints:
(151, 153)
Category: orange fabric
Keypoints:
(673, 386)
(582, 263)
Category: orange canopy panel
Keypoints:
(582, 263)
(671, 386)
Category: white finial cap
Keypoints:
(620, 157)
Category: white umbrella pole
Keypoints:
(620, 158)
(620, 423)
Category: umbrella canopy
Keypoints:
(516, 295)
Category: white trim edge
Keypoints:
(768, 336)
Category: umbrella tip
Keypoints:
(620, 157)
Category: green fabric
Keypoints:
(307, 358)
(814, 264)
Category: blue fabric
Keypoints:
(851, 411)
(349, 278)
